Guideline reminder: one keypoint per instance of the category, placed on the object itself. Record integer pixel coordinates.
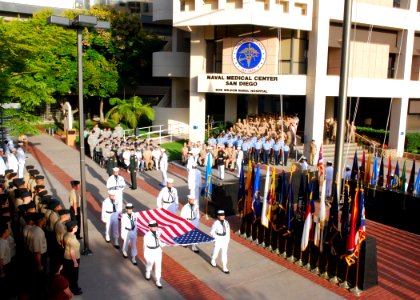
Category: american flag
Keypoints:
(174, 230)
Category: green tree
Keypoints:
(129, 110)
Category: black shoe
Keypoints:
(79, 237)
(116, 246)
(125, 256)
(78, 292)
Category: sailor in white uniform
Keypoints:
(117, 183)
(152, 250)
(21, 158)
(129, 232)
(220, 230)
(110, 218)
(168, 197)
(163, 164)
(329, 170)
(191, 213)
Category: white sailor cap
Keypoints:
(348, 167)
(111, 192)
(153, 223)
(221, 212)
(115, 169)
(20, 143)
(129, 206)
(169, 180)
(162, 149)
(191, 196)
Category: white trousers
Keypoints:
(164, 176)
(220, 244)
(111, 227)
(239, 166)
(156, 163)
(197, 192)
(131, 237)
(154, 257)
(221, 171)
(21, 169)
(119, 200)
(328, 188)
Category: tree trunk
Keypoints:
(101, 110)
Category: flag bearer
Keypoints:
(117, 183)
(129, 232)
(110, 218)
(191, 213)
(168, 197)
(153, 252)
(220, 230)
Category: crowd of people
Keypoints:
(39, 247)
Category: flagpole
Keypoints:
(356, 289)
(292, 258)
(345, 284)
(300, 261)
(334, 279)
(308, 264)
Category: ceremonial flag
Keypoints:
(249, 181)
(332, 229)
(301, 195)
(290, 212)
(319, 226)
(174, 230)
(283, 196)
(355, 168)
(272, 194)
(403, 180)
(396, 181)
(241, 191)
(321, 169)
(375, 171)
(381, 173)
(264, 215)
(361, 221)
(351, 239)
(388, 177)
(362, 167)
(208, 188)
(417, 184)
(345, 211)
(367, 172)
(410, 187)
(310, 208)
(256, 198)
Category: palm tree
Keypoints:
(129, 110)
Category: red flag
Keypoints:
(321, 163)
(351, 239)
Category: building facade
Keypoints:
(245, 56)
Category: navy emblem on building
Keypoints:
(248, 55)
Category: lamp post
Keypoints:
(79, 23)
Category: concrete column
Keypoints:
(197, 100)
(231, 104)
(252, 104)
(317, 71)
(398, 122)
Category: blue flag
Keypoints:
(417, 184)
(355, 169)
(380, 180)
(290, 212)
(256, 198)
(241, 190)
(208, 188)
(396, 179)
(375, 171)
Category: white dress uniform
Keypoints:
(3, 167)
(126, 157)
(21, 158)
(168, 199)
(198, 186)
(191, 181)
(12, 162)
(329, 170)
(129, 233)
(191, 213)
(117, 184)
(152, 252)
(190, 163)
(156, 157)
(110, 218)
(239, 159)
(220, 230)
(164, 167)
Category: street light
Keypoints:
(79, 23)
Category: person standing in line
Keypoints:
(110, 218)
(129, 232)
(313, 153)
(21, 158)
(198, 186)
(72, 258)
(239, 160)
(132, 167)
(74, 199)
(164, 166)
(220, 230)
(286, 149)
(329, 170)
(191, 213)
(152, 251)
(220, 162)
(117, 183)
(168, 197)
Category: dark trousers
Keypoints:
(257, 155)
(276, 157)
(133, 175)
(286, 156)
(76, 218)
(266, 154)
(71, 274)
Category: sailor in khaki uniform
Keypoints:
(74, 200)
(129, 232)
(220, 230)
(72, 258)
(168, 197)
(110, 218)
(191, 213)
(153, 252)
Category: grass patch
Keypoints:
(174, 149)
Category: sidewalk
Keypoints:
(106, 275)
